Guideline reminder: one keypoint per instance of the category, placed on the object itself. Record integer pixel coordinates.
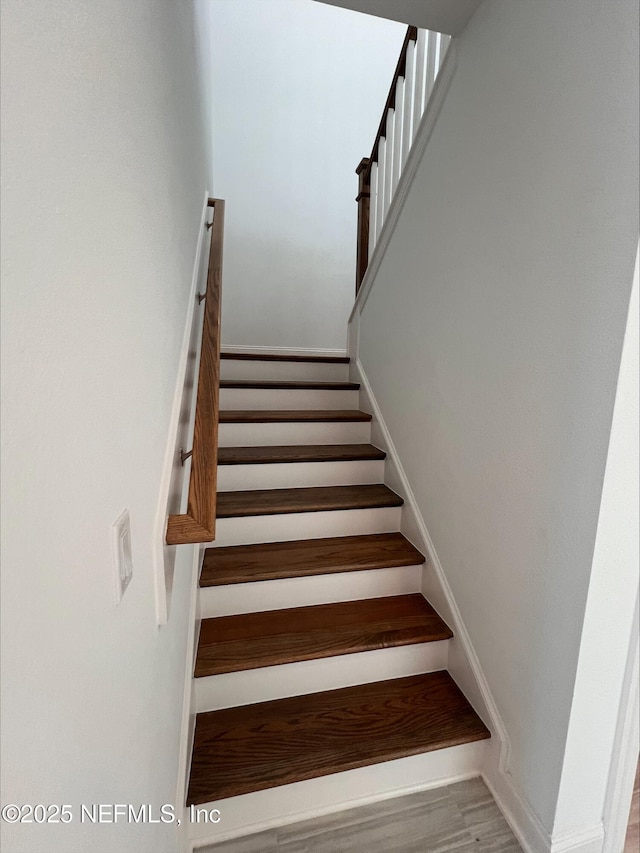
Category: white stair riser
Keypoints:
(253, 529)
(293, 475)
(283, 371)
(314, 432)
(296, 679)
(287, 398)
(304, 592)
(339, 791)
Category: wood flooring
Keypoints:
(632, 841)
(459, 818)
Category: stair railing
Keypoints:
(198, 524)
(420, 61)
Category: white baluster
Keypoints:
(407, 101)
(432, 51)
(388, 161)
(373, 207)
(423, 61)
(445, 41)
(380, 186)
(398, 122)
(421, 70)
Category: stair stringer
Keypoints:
(463, 663)
(189, 708)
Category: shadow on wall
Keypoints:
(254, 313)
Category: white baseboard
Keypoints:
(532, 835)
(251, 350)
(524, 823)
(585, 841)
(172, 478)
(627, 744)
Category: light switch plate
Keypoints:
(121, 543)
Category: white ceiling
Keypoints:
(445, 16)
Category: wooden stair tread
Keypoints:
(270, 561)
(310, 499)
(298, 453)
(291, 384)
(319, 359)
(266, 416)
(254, 747)
(251, 640)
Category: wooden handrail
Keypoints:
(364, 193)
(412, 35)
(380, 174)
(199, 522)
(364, 166)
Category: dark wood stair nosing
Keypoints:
(244, 503)
(261, 416)
(268, 744)
(270, 638)
(310, 359)
(280, 454)
(234, 564)
(288, 385)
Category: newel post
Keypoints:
(362, 258)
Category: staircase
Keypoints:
(318, 653)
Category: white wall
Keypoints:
(298, 93)
(104, 172)
(611, 602)
(204, 57)
(492, 339)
